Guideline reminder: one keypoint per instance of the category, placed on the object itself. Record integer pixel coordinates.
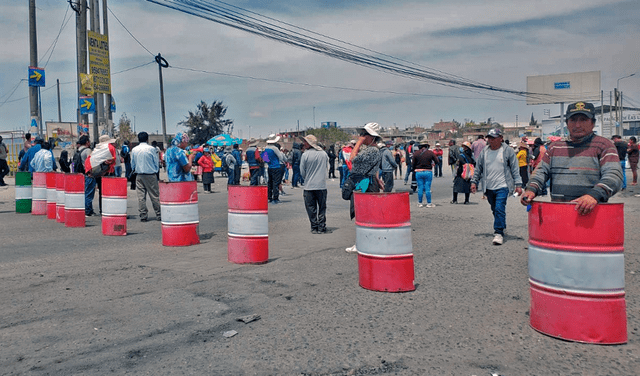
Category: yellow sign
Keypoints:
(98, 46)
(86, 84)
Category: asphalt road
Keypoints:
(75, 302)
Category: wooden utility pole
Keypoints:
(162, 63)
(33, 61)
(80, 7)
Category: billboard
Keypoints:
(564, 88)
(64, 134)
(98, 47)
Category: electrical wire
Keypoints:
(53, 45)
(132, 36)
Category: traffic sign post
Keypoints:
(36, 77)
(87, 105)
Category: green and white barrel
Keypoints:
(23, 192)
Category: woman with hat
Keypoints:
(206, 162)
(522, 155)
(423, 162)
(438, 167)
(461, 185)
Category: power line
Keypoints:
(132, 36)
(53, 45)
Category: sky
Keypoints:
(272, 87)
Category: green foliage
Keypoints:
(329, 136)
(123, 131)
(207, 122)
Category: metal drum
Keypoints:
(60, 197)
(179, 212)
(23, 192)
(52, 196)
(74, 200)
(576, 272)
(383, 240)
(114, 206)
(39, 194)
(248, 225)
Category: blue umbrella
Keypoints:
(223, 140)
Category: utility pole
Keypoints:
(107, 97)
(80, 7)
(33, 61)
(59, 108)
(162, 63)
(98, 116)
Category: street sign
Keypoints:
(86, 84)
(98, 47)
(36, 76)
(87, 105)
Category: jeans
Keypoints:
(118, 171)
(315, 202)
(623, 164)
(406, 176)
(344, 175)
(237, 174)
(4, 170)
(231, 176)
(437, 169)
(424, 179)
(275, 177)
(297, 178)
(387, 178)
(89, 192)
(255, 176)
(498, 200)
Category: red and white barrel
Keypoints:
(248, 224)
(576, 272)
(383, 240)
(52, 196)
(74, 200)
(39, 194)
(60, 197)
(179, 212)
(114, 206)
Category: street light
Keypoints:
(620, 103)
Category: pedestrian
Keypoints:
(477, 146)
(407, 160)
(25, 162)
(105, 151)
(26, 146)
(144, 163)
(423, 162)
(497, 168)
(254, 161)
(273, 158)
(296, 156)
(452, 156)
(539, 149)
(463, 184)
(313, 168)
(79, 161)
(237, 167)
(621, 147)
(397, 155)
(43, 160)
(178, 164)
(365, 161)
(207, 170)
(632, 155)
(332, 161)
(437, 169)
(283, 169)
(230, 162)
(63, 160)
(345, 158)
(523, 156)
(4, 166)
(388, 165)
(584, 170)
(125, 153)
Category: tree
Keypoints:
(124, 132)
(207, 122)
(329, 136)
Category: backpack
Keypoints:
(224, 166)
(78, 167)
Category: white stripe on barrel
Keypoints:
(383, 240)
(248, 224)
(179, 212)
(52, 196)
(576, 272)
(39, 194)
(60, 197)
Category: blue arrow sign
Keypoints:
(113, 104)
(87, 105)
(36, 76)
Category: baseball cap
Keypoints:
(494, 133)
(584, 108)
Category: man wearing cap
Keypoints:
(254, 161)
(274, 156)
(144, 163)
(313, 168)
(497, 168)
(437, 169)
(584, 170)
(4, 167)
(178, 164)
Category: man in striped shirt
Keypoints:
(584, 170)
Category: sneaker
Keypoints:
(144, 219)
(275, 201)
(351, 249)
(453, 202)
(420, 205)
(497, 239)
(431, 205)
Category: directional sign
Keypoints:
(36, 76)
(87, 105)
